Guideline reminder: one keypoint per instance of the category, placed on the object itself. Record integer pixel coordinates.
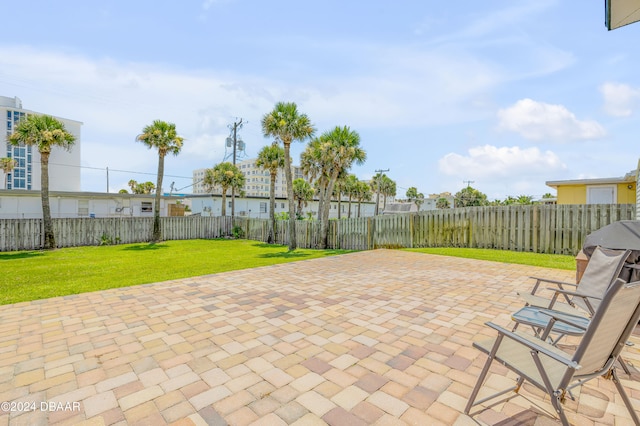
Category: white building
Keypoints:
(258, 207)
(64, 166)
(257, 180)
(23, 204)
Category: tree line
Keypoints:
(326, 162)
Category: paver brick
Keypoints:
(375, 337)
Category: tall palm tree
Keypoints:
(302, 193)
(163, 137)
(226, 176)
(271, 158)
(7, 165)
(286, 124)
(333, 153)
(44, 132)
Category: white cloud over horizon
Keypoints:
(540, 121)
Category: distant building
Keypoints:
(258, 207)
(64, 166)
(24, 204)
(615, 190)
(257, 180)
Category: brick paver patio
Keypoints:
(380, 337)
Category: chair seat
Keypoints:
(517, 356)
(538, 317)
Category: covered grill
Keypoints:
(624, 234)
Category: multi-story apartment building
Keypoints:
(257, 180)
(64, 166)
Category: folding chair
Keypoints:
(554, 371)
(604, 267)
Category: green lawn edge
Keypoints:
(556, 261)
(34, 275)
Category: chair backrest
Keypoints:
(609, 329)
(604, 268)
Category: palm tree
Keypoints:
(7, 165)
(163, 137)
(226, 176)
(330, 156)
(388, 189)
(271, 158)
(43, 132)
(442, 203)
(363, 193)
(302, 193)
(350, 189)
(286, 124)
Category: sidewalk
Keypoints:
(379, 337)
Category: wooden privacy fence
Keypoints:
(559, 229)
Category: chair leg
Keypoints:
(476, 389)
(556, 401)
(625, 398)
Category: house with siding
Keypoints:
(613, 190)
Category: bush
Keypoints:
(237, 232)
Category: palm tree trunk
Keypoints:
(157, 232)
(326, 208)
(49, 237)
(292, 212)
(223, 211)
(272, 207)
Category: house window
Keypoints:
(601, 194)
(263, 207)
(147, 207)
(83, 208)
(282, 205)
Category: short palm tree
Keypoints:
(350, 189)
(226, 176)
(44, 132)
(7, 165)
(286, 124)
(163, 137)
(271, 158)
(364, 193)
(302, 193)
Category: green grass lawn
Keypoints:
(557, 261)
(31, 275)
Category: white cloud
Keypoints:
(490, 162)
(540, 121)
(619, 99)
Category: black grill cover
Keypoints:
(624, 234)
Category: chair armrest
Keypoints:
(536, 344)
(568, 293)
(560, 285)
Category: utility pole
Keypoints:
(468, 182)
(236, 126)
(107, 180)
(379, 173)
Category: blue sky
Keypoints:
(505, 93)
